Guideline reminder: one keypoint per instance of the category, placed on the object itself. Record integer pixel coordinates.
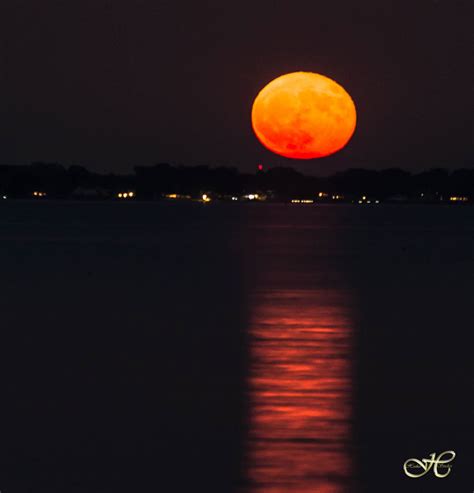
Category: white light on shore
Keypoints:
(125, 195)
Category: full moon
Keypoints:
(303, 115)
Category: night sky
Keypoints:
(111, 84)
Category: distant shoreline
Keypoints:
(40, 181)
(233, 203)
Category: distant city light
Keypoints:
(302, 201)
(125, 195)
(4, 197)
(458, 199)
(205, 198)
(235, 198)
(39, 194)
(177, 196)
(255, 196)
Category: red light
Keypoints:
(260, 167)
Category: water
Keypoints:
(300, 392)
(300, 345)
(234, 348)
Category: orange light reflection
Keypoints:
(299, 388)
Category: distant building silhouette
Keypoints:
(164, 182)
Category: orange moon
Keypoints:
(303, 115)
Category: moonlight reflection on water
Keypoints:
(300, 392)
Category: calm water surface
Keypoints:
(247, 348)
(301, 332)
(300, 392)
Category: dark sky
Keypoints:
(111, 84)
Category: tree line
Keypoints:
(280, 183)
